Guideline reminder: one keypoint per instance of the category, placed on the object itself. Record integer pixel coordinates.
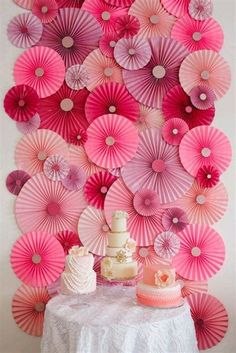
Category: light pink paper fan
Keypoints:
(208, 68)
(56, 167)
(96, 188)
(156, 165)
(26, 4)
(202, 97)
(154, 19)
(174, 219)
(24, 30)
(46, 205)
(78, 156)
(201, 254)
(206, 145)
(54, 288)
(146, 255)
(45, 10)
(142, 229)
(177, 8)
(210, 319)
(67, 239)
(77, 77)
(33, 149)
(159, 75)
(149, 118)
(146, 202)
(200, 9)
(41, 68)
(93, 229)
(173, 131)
(16, 180)
(127, 26)
(75, 178)
(101, 69)
(120, 3)
(190, 287)
(37, 258)
(78, 137)
(70, 3)
(111, 98)
(30, 126)
(167, 245)
(207, 176)
(112, 141)
(28, 307)
(108, 43)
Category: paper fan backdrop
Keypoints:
(107, 43)
(93, 229)
(28, 307)
(76, 77)
(177, 8)
(127, 26)
(33, 149)
(73, 34)
(149, 118)
(75, 179)
(67, 239)
(174, 219)
(16, 180)
(37, 258)
(112, 141)
(156, 165)
(56, 167)
(46, 205)
(173, 130)
(167, 245)
(200, 9)
(190, 287)
(111, 98)
(46, 10)
(208, 68)
(78, 156)
(24, 30)
(201, 254)
(210, 319)
(30, 126)
(26, 4)
(202, 97)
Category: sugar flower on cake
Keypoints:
(130, 245)
(109, 274)
(78, 251)
(108, 263)
(163, 278)
(121, 256)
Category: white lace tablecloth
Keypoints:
(110, 321)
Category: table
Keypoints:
(110, 321)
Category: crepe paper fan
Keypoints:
(75, 178)
(159, 75)
(142, 229)
(101, 69)
(207, 176)
(127, 26)
(77, 77)
(73, 34)
(146, 202)
(26, 4)
(147, 256)
(208, 68)
(70, 3)
(16, 180)
(210, 319)
(30, 126)
(107, 44)
(111, 98)
(177, 8)
(167, 245)
(21, 102)
(112, 141)
(120, 3)
(156, 165)
(78, 137)
(63, 112)
(174, 219)
(41, 68)
(202, 97)
(45, 10)
(96, 188)
(56, 167)
(67, 239)
(33, 149)
(28, 307)
(173, 130)
(190, 287)
(78, 156)
(200, 9)
(24, 30)
(54, 288)
(154, 19)
(149, 118)
(46, 205)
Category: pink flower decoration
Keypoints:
(77, 77)
(208, 176)
(78, 137)
(127, 26)
(202, 97)
(30, 126)
(56, 167)
(146, 202)
(16, 180)
(167, 245)
(173, 130)
(174, 219)
(68, 239)
(46, 10)
(200, 9)
(75, 179)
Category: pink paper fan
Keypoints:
(190, 287)
(16, 180)
(93, 228)
(177, 103)
(174, 220)
(207, 146)
(177, 8)
(159, 75)
(127, 26)
(156, 165)
(101, 69)
(74, 34)
(21, 103)
(167, 245)
(107, 44)
(120, 3)
(207, 176)
(147, 256)
(146, 202)
(75, 178)
(208, 68)
(142, 229)
(201, 254)
(26, 4)
(45, 10)
(96, 188)
(78, 156)
(24, 30)
(28, 307)
(64, 111)
(33, 149)
(173, 130)
(41, 68)
(200, 9)
(210, 319)
(111, 98)
(149, 118)
(37, 258)
(202, 97)
(30, 126)
(78, 137)
(77, 77)
(70, 3)
(54, 288)
(112, 141)
(56, 167)
(67, 239)
(46, 205)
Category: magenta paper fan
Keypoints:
(107, 43)
(159, 75)
(156, 165)
(24, 30)
(146, 202)
(174, 219)
(208, 68)
(120, 3)
(33, 149)
(127, 26)
(173, 130)
(41, 68)
(201, 254)
(16, 180)
(207, 176)
(167, 245)
(177, 8)
(45, 10)
(75, 179)
(111, 98)
(202, 97)
(30, 126)
(21, 103)
(28, 308)
(149, 118)
(93, 229)
(67, 239)
(190, 287)
(26, 4)
(78, 137)
(78, 156)
(200, 9)
(46, 205)
(77, 77)
(56, 167)
(142, 229)
(112, 141)
(210, 319)
(70, 3)
(96, 188)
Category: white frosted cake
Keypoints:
(78, 276)
(118, 263)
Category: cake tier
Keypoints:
(78, 283)
(149, 273)
(113, 252)
(120, 271)
(119, 221)
(117, 239)
(76, 263)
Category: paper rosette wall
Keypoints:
(116, 100)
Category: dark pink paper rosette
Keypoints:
(208, 176)
(174, 219)
(16, 180)
(45, 10)
(202, 97)
(67, 239)
(173, 130)
(127, 26)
